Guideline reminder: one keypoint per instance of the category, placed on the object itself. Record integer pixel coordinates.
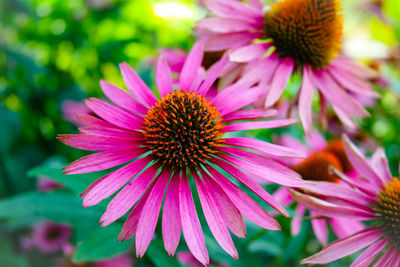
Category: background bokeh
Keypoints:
(55, 50)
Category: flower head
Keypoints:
(291, 36)
(170, 140)
(374, 199)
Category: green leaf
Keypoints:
(102, 244)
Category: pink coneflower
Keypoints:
(45, 184)
(302, 36)
(123, 260)
(322, 156)
(374, 199)
(174, 141)
(48, 237)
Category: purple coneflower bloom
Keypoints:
(48, 237)
(291, 36)
(322, 155)
(374, 199)
(171, 139)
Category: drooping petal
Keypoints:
(249, 52)
(344, 247)
(136, 85)
(163, 77)
(115, 115)
(305, 101)
(381, 165)
(262, 69)
(330, 209)
(90, 121)
(225, 25)
(337, 95)
(190, 222)
(360, 163)
(369, 255)
(149, 215)
(213, 217)
(102, 160)
(265, 147)
(251, 184)
(320, 229)
(230, 213)
(107, 185)
(245, 204)
(279, 81)
(297, 220)
(171, 220)
(234, 9)
(122, 98)
(386, 258)
(191, 66)
(230, 40)
(345, 227)
(128, 196)
(253, 125)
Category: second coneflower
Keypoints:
(172, 142)
(290, 36)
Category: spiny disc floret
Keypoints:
(308, 31)
(183, 130)
(388, 210)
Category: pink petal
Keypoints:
(149, 215)
(337, 95)
(225, 25)
(297, 220)
(212, 75)
(350, 66)
(128, 196)
(345, 227)
(107, 185)
(230, 213)
(264, 147)
(163, 77)
(279, 81)
(230, 40)
(130, 226)
(381, 165)
(386, 258)
(239, 96)
(329, 209)
(122, 98)
(115, 115)
(320, 229)
(235, 9)
(191, 66)
(344, 247)
(247, 206)
(316, 140)
(251, 184)
(212, 213)
(190, 223)
(113, 131)
(249, 114)
(261, 70)
(136, 85)
(171, 220)
(249, 52)
(345, 119)
(369, 255)
(91, 121)
(253, 125)
(305, 101)
(98, 142)
(352, 83)
(360, 163)
(101, 161)
(263, 167)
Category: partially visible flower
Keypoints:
(169, 141)
(44, 184)
(123, 260)
(302, 36)
(48, 237)
(374, 199)
(322, 156)
(186, 258)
